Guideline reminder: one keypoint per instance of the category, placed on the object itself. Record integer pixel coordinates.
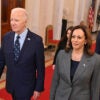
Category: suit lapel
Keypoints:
(12, 41)
(67, 64)
(25, 45)
(81, 68)
(11, 45)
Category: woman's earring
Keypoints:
(85, 43)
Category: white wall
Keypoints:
(40, 15)
(57, 19)
(33, 8)
(81, 11)
(46, 15)
(69, 6)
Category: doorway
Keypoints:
(6, 6)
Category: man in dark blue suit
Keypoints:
(25, 74)
(97, 50)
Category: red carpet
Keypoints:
(44, 96)
(93, 46)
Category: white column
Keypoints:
(33, 8)
(57, 23)
(40, 15)
(46, 13)
(76, 18)
(81, 11)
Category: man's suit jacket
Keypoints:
(85, 81)
(97, 50)
(22, 77)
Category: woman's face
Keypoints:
(78, 39)
(68, 33)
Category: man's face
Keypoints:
(18, 21)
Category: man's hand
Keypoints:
(36, 95)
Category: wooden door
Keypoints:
(6, 6)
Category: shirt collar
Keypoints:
(23, 34)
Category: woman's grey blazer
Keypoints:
(85, 84)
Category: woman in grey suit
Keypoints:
(76, 75)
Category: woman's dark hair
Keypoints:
(70, 28)
(87, 46)
(64, 38)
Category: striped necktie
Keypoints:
(17, 49)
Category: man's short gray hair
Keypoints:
(22, 10)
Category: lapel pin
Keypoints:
(28, 39)
(84, 65)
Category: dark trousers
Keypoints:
(14, 97)
(21, 98)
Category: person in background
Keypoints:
(64, 26)
(64, 22)
(77, 72)
(22, 51)
(62, 44)
(97, 49)
(82, 23)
